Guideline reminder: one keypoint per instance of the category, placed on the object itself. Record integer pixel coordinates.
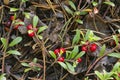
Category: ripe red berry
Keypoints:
(12, 18)
(29, 27)
(93, 47)
(61, 59)
(62, 50)
(56, 51)
(31, 33)
(79, 60)
(84, 48)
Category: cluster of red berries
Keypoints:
(91, 47)
(61, 58)
(8, 23)
(31, 30)
(58, 52)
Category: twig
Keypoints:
(4, 52)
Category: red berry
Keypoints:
(84, 48)
(12, 18)
(61, 59)
(62, 50)
(31, 33)
(79, 60)
(56, 51)
(29, 27)
(93, 47)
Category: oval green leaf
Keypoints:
(15, 41)
(52, 54)
(4, 42)
(15, 52)
(35, 21)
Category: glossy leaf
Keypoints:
(25, 64)
(102, 50)
(116, 39)
(63, 65)
(74, 51)
(70, 67)
(117, 55)
(99, 75)
(72, 5)
(35, 21)
(68, 10)
(4, 42)
(2, 77)
(28, 69)
(76, 38)
(40, 37)
(80, 54)
(52, 54)
(20, 23)
(94, 3)
(15, 41)
(35, 60)
(42, 28)
(110, 3)
(14, 9)
(79, 21)
(14, 52)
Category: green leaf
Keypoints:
(24, 1)
(52, 54)
(99, 75)
(76, 37)
(63, 65)
(116, 39)
(15, 52)
(68, 54)
(35, 21)
(35, 60)
(74, 52)
(42, 28)
(79, 21)
(2, 77)
(70, 67)
(40, 37)
(95, 38)
(68, 10)
(15, 41)
(14, 9)
(83, 13)
(94, 3)
(25, 64)
(116, 67)
(20, 23)
(4, 42)
(110, 3)
(72, 5)
(28, 69)
(27, 15)
(117, 55)
(80, 54)
(102, 50)
(77, 13)
(87, 35)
